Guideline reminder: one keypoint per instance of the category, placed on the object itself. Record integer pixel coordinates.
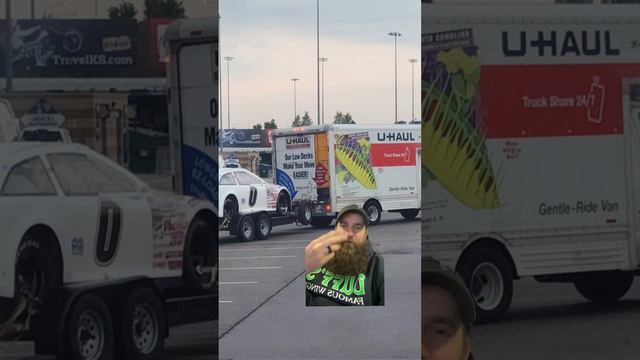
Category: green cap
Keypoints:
(434, 274)
(353, 209)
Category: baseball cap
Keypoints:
(434, 274)
(353, 209)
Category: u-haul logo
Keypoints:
(558, 43)
(396, 136)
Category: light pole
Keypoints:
(9, 53)
(412, 61)
(318, 53)
(33, 9)
(323, 60)
(395, 35)
(228, 60)
(295, 111)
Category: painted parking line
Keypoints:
(260, 257)
(225, 301)
(257, 249)
(237, 282)
(254, 268)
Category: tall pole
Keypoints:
(295, 111)
(395, 35)
(95, 9)
(9, 48)
(318, 52)
(228, 59)
(33, 11)
(323, 60)
(412, 61)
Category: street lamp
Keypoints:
(395, 35)
(318, 53)
(228, 60)
(412, 61)
(51, 5)
(295, 112)
(323, 60)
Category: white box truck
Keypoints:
(9, 127)
(531, 134)
(328, 167)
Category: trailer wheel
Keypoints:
(263, 226)
(409, 214)
(321, 222)
(283, 205)
(90, 330)
(374, 211)
(143, 326)
(603, 287)
(199, 253)
(246, 228)
(488, 276)
(304, 213)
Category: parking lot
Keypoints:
(262, 298)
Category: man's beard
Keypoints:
(351, 259)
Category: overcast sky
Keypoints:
(273, 41)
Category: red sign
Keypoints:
(393, 154)
(321, 177)
(553, 100)
(158, 47)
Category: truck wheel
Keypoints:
(488, 276)
(142, 326)
(37, 273)
(304, 213)
(90, 330)
(603, 287)
(246, 228)
(283, 204)
(321, 222)
(263, 226)
(374, 211)
(409, 214)
(199, 256)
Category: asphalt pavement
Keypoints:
(262, 300)
(552, 321)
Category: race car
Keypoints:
(69, 215)
(241, 192)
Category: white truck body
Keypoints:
(9, 127)
(320, 165)
(531, 136)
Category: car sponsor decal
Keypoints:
(170, 225)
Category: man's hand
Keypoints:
(317, 253)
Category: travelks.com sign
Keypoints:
(70, 48)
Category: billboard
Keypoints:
(242, 138)
(71, 48)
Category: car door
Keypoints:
(117, 237)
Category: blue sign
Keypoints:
(283, 179)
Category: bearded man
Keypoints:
(341, 266)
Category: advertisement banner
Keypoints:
(242, 138)
(71, 48)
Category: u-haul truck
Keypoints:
(328, 167)
(531, 138)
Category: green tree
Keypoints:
(296, 122)
(270, 124)
(306, 119)
(341, 118)
(257, 126)
(124, 10)
(163, 9)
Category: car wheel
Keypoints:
(246, 229)
(142, 326)
(89, 330)
(374, 211)
(229, 210)
(200, 258)
(283, 204)
(263, 226)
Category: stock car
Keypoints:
(69, 215)
(240, 193)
